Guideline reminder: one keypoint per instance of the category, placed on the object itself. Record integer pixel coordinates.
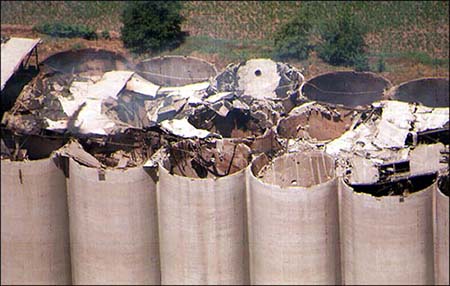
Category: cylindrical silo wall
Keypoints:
(442, 238)
(202, 222)
(113, 226)
(294, 230)
(34, 224)
(387, 240)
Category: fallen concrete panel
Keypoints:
(202, 222)
(293, 220)
(35, 224)
(175, 70)
(113, 226)
(13, 52)
(348, 88)
(441, 253)
(432, 92)
(387, 240)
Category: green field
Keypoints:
(237, 30)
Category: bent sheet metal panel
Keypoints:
(34, 224)
(385, 241)
(442, 238)
(113, 226)
(293, 233)
(202, 225)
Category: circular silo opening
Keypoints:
(205, 160)
(175, 70)
(347, 88)
(87, 60)
(396, 186)
(316, 122)
(295, 170)
(20, 147)
(432, 92)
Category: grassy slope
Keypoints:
(232, 31)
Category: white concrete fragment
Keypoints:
(259, 78)
(182, 128)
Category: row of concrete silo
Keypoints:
(214, 213)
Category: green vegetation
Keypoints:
(152, 26)
(343, 42)
(64, 30)
(293, 41)
(105, 35)
(393, 27)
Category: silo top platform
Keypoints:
(13, 53)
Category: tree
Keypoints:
(152, 26)
(292, 41)
(343, 42)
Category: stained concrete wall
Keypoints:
(202, 226)
(293, 221)
(386, 240)
(432, 92)
(442, 235)
(175, 70)
(34, 224)
(347, 88)
(113, 226)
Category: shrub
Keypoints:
(292, 41)
(343, 42)
(105, 35)
(152, 26)
(64, 30)
(381, 65)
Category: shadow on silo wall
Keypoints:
(432, 92)
(441, 253)
(293, 220)
(347, 88)
(202, 214)
(34, 218)
(87, 60)
(388, 239)
(175, 70)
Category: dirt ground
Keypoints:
(399, 69)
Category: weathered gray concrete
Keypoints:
(175, 70)
(386, 240)
(113, 226)
(203, 229)
(34, 224)
(441, 253)
(293, 220)
(348, 88)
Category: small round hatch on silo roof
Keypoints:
(87, 60)
(175, 70)
(348, 88)
(432, 92)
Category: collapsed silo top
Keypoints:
(87, 60)
(295, 170)
(313, 121)
(260, 79)
(203, 160)
(432, 92)
(346, 88)
(175, 70)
